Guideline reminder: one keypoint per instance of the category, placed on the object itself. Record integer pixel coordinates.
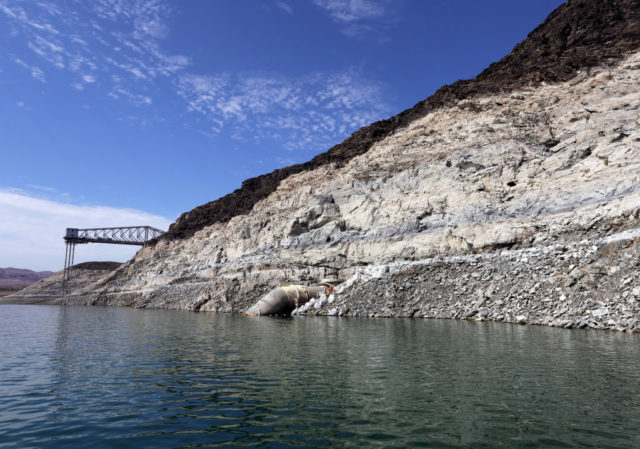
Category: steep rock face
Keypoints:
(513, 197)
(579, 34)
(535, 167)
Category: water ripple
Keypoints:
(101, 377)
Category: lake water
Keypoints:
(109, 377)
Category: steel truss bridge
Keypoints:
(127, 235)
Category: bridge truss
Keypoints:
(127, 235)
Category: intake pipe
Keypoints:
(282, 300)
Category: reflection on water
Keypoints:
(87, 377)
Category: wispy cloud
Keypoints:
(284, 6)
(309, 113)
(36, 72)
(43, 188)
(353, 10)
(357, 17)
(32, 228)
(116, 46)
(113, 41)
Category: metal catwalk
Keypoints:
(126, 235)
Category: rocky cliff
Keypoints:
(514, 196)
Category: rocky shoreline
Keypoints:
(591, 283)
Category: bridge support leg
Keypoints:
(69, 255)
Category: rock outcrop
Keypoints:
(513, 197)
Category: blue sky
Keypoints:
(153, 107)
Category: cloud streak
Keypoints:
(115, 42)
(358, 17)
(114, 47)
(36, 72)
(353, 10)
(310, 113)
(31, 230)
(284, 7)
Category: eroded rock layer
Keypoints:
(526, 170)
(515, 203)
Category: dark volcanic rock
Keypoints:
(576, 36)
(97, 266)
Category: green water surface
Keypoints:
(123, 378)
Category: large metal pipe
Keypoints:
(282, 300)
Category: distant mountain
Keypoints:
(51, 290)
(20, 277)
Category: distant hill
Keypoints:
(51, 290)
(20, 277)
